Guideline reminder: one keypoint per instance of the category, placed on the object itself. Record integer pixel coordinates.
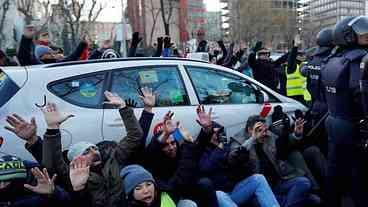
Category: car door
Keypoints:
(82, 96)
(232, 98)
(166, 80)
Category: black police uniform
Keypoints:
(340, 77)
(312, 71)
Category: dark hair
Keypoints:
(252, 120)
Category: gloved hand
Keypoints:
(160, 41)
(221, 43)
(136, 39)
(258, 46)
(239, 54)
(167, 42)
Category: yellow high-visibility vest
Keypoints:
(296, 84)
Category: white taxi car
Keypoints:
(77, 88)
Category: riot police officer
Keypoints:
(340, 77)
(312, 71)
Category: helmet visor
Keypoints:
(360, 26)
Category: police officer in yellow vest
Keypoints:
(296, 83)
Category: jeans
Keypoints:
(293, 192)
(206, 195)
(253, 186)
(186, 203)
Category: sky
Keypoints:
(113, 11)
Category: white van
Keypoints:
(77, 88)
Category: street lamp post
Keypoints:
(123, 47)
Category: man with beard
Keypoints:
(99, 184)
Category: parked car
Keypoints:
(77, 88)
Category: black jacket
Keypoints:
(26, 54)
(264, 71)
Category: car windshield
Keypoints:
(7, 88)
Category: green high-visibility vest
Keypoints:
(166, 201)
(296, 84)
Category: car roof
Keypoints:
(119, 60)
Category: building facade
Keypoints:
(328, 12)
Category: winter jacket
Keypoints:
(268, 161)
(26, 54)
(104, 186)
(264, 71)
(16, 195)
(223, 169)
(178, 175)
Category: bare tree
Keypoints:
(154, 12)
(255, 20)
(80, 15)
(166, 13)
(26, 8)
(4, 10)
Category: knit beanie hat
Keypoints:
(134, 175)
(12, 168)
(78, 149)
(40, 50)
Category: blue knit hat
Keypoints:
(12, 168)
(41, 50)
(134, 175)
(78, 149)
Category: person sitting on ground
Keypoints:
(23, 184)
(166, 149)
(289, 184)
(143, 191)
(214, 164)
(101, 185)
(31, 54)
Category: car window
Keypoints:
(164, 80)
(85, 91)
(7, 88)
(217, 87)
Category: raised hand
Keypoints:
(136, 39)
(23, 129)
(259, 131)
(148, 97)
(204, 119)
(29, 31)
(79, 173)
(168, 126)
(53, 117)
(45, 185)
(299, 127)
(131, 103)
(114, 100)
(186, 134)
(167, 42)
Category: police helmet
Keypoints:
(343, 34)
(109, 54)
(325, 38)
(346, 31)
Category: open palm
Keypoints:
(204, 119)
(23, 129)
(79, 173)
(45, 185)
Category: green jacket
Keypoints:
(104, 188)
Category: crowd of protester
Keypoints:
(269, 164)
